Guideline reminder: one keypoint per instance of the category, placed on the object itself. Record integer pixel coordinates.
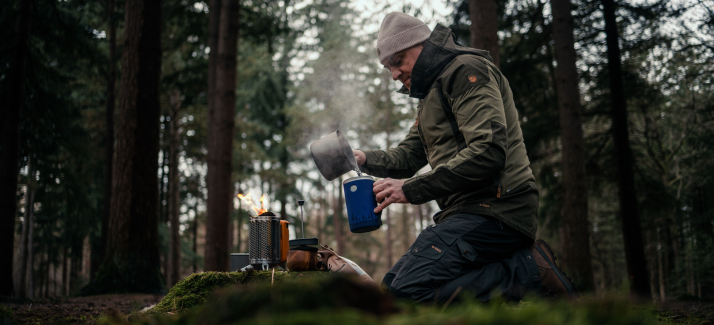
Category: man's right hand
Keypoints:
(360, 157)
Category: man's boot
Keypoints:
(555, 283)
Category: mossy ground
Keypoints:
(323, 298)
(328, 299)
(194, 289)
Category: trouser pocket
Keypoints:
(428, 264)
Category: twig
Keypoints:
(451, 298)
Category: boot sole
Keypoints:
(563, 279)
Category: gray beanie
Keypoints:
(398, 32)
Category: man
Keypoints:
(467, 130)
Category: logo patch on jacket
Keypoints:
(472, 78)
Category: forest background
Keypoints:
(305, 69)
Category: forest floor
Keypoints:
(80, 310)
(297, 297)
(86, 310)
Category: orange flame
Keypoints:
(253, 208)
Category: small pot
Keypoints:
(333, 155)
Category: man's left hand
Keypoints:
(388, 191)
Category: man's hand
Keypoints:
(360, 157)
(388, 191)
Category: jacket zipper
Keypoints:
(498, 192)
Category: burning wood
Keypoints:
(254, 211)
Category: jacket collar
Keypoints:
(439, 50)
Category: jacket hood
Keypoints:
(439, 50)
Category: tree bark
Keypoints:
(132, 262)
(30, 257)
(109, 121)
(174, 199)
(65, 275)
(220, 142)
(214, 17)
(484, 27)
(631, 228)
(574, 225)
(9, 156)
(26, 224)
(338, 217)
(195, 237)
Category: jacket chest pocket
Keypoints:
(435, 130)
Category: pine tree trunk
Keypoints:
(484, 27)
(109, 121)
(652, 261)
(9, 156)
(214, 18)
(574, 233)
(631, 228)
(163, 204)
(174, 185)
(132, 262)
(338, 217)
(30, 256)
(220, 142)
(195, 238)
(26, 224)
(406, 228)
(65, 276)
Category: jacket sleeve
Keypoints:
(475, 100)
(400, 162)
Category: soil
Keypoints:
(79, 310)
(687, 311)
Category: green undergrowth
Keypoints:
(194, 289)
(5, 315)
(339, 300)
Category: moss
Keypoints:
(6, 315)
(194, 289)
(326, 298)
(336, 300)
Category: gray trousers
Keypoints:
(466, 253)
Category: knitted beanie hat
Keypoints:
(398, 32)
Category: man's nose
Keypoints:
(395, 74)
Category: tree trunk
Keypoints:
(163, 206)
(339, 217)
(26, 224)
(220, 142)
(132, 262)
(406, 227)
(65, 276)
(30, 256)
(214, 18)
(574, 232)
(195, 237)
(174, 199)
(484, 27)
(9, 156)
(109, 121)
(631, 228)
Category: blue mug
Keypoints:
(361, 203)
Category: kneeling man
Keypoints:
(467, 130)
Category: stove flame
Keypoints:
(253, 208)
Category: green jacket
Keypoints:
(467, 130)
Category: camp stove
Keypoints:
(268, 237)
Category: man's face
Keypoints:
(401, 64)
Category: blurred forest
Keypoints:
(303, 70)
